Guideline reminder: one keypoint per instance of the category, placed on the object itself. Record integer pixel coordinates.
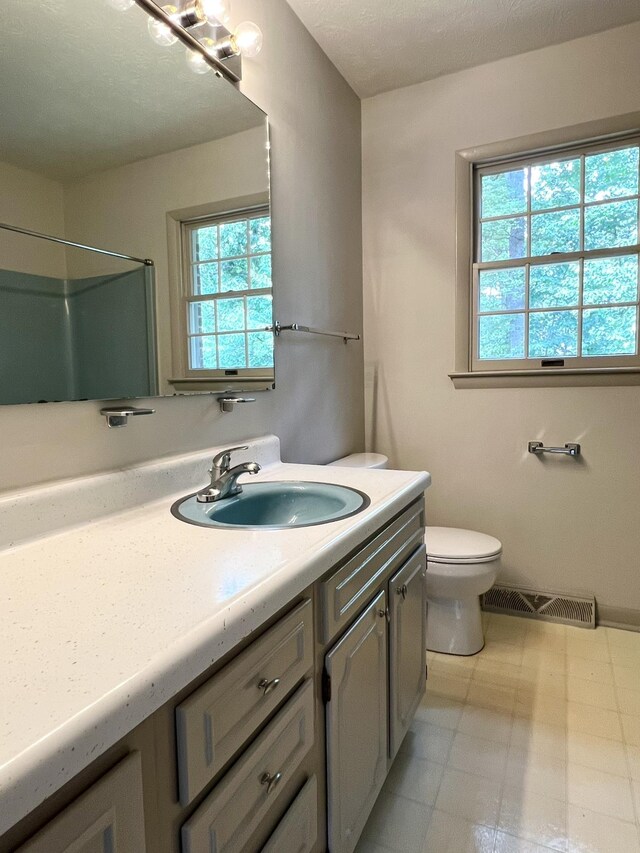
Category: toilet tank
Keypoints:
(362, 460)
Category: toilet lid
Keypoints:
(455, 545)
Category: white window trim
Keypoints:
(613, 132)
(189, 298)
(184, 379)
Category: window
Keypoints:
(228, 295)
(556, 248)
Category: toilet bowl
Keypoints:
(461, 566)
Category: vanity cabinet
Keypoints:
(108, 818)
(283, 745)
(227, 761)
(375, 674)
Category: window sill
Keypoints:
(549, 378)
(223, 384)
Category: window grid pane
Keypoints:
(229, 304)
(593, 311)
(606, 283)
(499, 217)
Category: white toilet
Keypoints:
(461, 566)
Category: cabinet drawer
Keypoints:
(214, 722)
(297, 832)
(346, 592)
(108, 818)
(236, 806)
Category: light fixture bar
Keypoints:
(220, 67)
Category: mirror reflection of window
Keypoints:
(228, 287)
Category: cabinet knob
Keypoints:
(267, 686)
(385, 614)
(270, 781)
(402, 590)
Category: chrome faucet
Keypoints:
(224, 479)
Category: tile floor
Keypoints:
(530, 746)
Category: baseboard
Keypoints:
(618, 617)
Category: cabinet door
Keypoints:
(108, 818)
(407, 645)
(357, 719)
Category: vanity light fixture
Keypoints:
(245, 40)
(202, 26)
(196, 61)
(214, 12)
(161, 32)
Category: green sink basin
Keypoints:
(274, 506)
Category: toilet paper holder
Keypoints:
(568, 450)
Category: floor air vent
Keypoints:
(569, 609)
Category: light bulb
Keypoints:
(160, 32)
(215, 11)
(121, 5)
(247, 38)
(196, 61)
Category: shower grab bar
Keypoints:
(146, 261)
(277, 328)
(567, 450)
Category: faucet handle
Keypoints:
(222, 460)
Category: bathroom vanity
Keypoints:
(227, 690)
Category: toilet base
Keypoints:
(454, 625)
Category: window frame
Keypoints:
(612, 128)
(513, 162)
(260, 377)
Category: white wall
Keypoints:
(565, 525)
(125, 209)
(317, 407)
(30, 201)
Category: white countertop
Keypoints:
(103, 621)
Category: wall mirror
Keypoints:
(111, 141)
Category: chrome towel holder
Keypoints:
(538, 447)
(277, 328)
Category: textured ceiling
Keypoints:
(380, 45)
(84, 89)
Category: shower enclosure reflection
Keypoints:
(77, 339)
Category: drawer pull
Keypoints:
(270, 781)
(267, 686)
(402, 590)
